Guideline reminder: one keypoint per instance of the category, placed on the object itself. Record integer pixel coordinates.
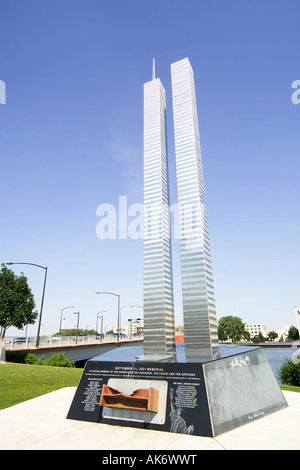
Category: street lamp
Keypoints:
(77, 313)
(42, 302)
(116, 295)
(61, 313)
(100, 316)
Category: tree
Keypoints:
(232, 328)
(221, 333)
(246, 335)
(293, 333)
(75, 332)
(258, 338)
(289, 372)
(17, 306)
(272, 335)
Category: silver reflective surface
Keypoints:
(200, 324)
(159, 327)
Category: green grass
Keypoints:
(290, 388)
(20, 382)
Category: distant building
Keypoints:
(283, 333)
(297, 313)
(254, 330)
(132, 328)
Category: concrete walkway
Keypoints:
(41, 424)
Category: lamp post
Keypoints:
(77, 313)
(100, 316)
(61, 313)
(42, 302)
(116, 295)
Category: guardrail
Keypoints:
(23, 342)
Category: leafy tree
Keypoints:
(73, 332)
(17, 306)
(232, 328)
(272, 335)
(289, 372)
(258, 338)
(221, 333)
(293, 333)
(246, 335)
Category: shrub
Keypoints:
(33, 359)
(289, 373)
(60, 360)
(57, 360)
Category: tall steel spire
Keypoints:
(153, 70)
(159, 326)
(200, 323)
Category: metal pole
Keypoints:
(61, 316)
(77, 313)
(42, 303)
(99, 316)
(118, 335)
(116, 295)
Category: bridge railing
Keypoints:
(21, 342)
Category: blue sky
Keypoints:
(71, 139)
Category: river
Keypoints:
(275, 355)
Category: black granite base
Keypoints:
(203, 399)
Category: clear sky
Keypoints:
(71, 140)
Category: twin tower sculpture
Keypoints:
(200, 323)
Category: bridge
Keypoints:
(78, 349)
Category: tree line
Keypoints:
(18, 309)
(232, 328)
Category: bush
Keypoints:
(57, 360)
(60, 360)
(33, 359)
(289, 373)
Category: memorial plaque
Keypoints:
(182, 396)
(241, 389)
(204, 399)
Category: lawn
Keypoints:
(20, 382)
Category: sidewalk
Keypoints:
(41, 424)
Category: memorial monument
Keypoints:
(195, 387)
(200, 322)
(159, 325)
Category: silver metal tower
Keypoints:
(159, 327)
(200, 324)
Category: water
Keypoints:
(275, 356)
